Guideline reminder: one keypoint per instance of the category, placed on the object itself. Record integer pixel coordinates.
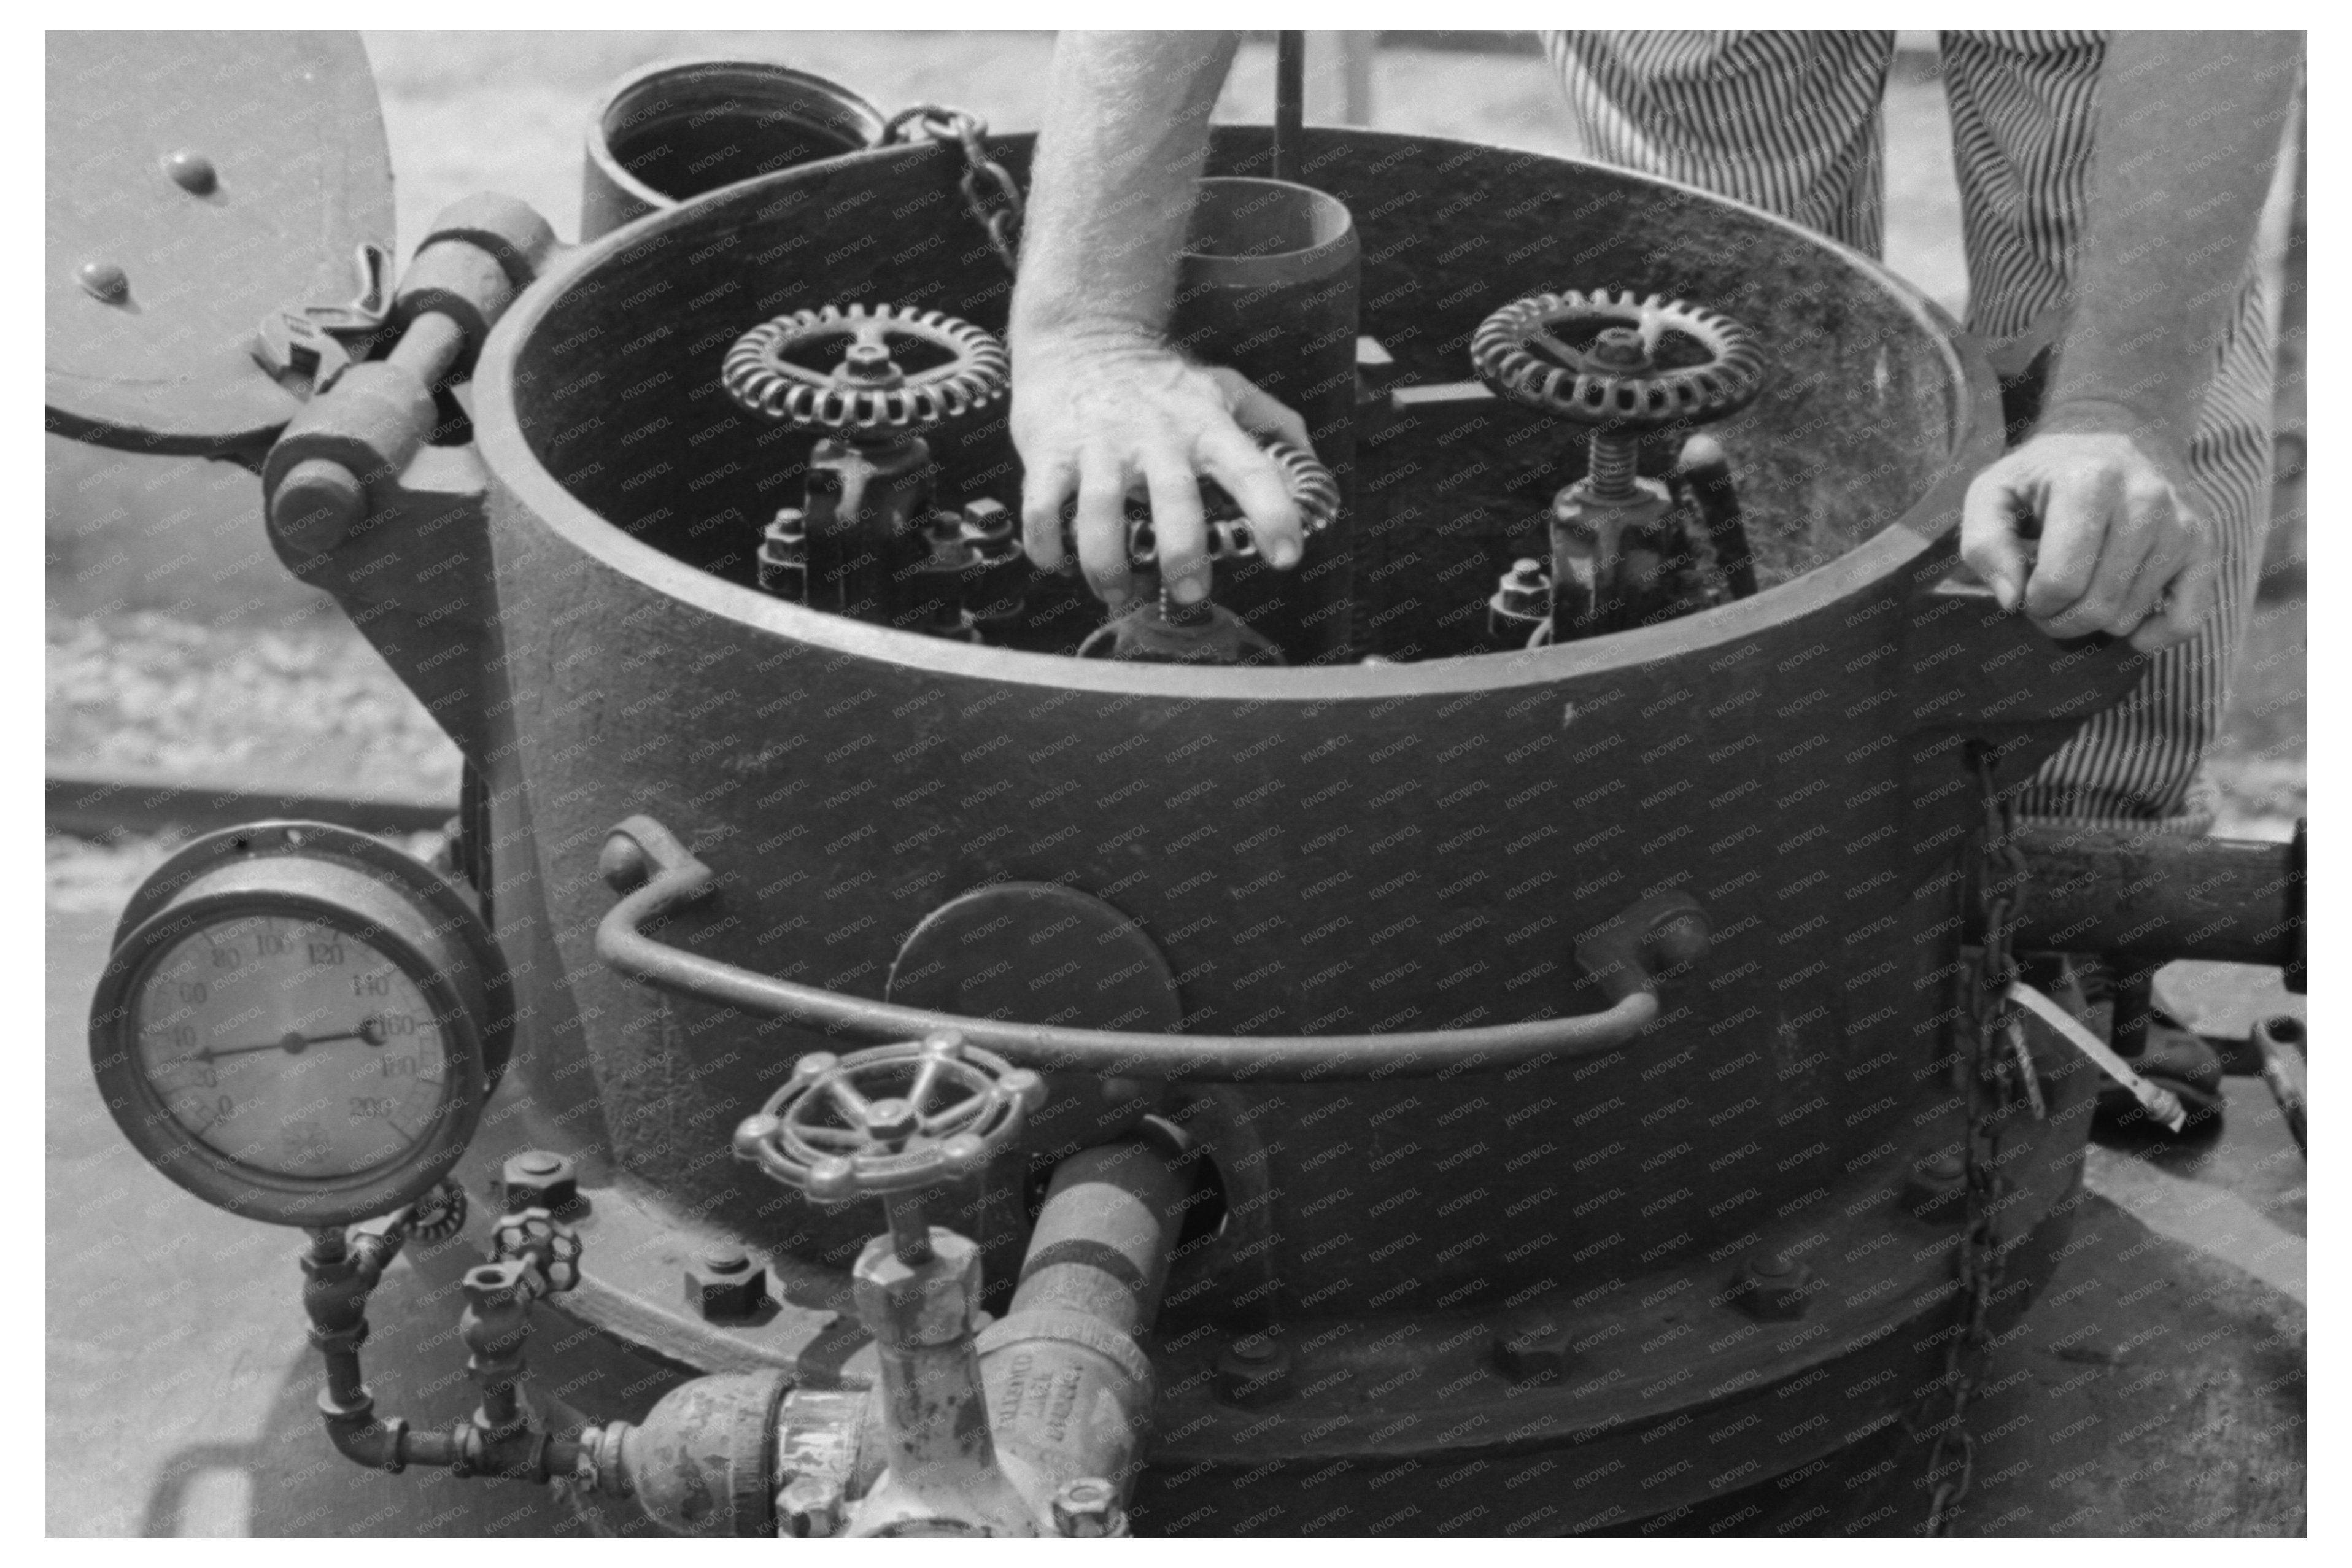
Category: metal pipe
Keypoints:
(658, 877)
(1097, 1260)
(1101, 1243)
(2159, 896)
(1707, 469)
(430, 347)
(1289, 103)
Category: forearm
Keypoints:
(1127, 122)
(2189, 126)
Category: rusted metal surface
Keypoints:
(198, 184)
(2162, 896)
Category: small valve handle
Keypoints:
(891, 1119)
(1313, 490)
(1592, 358)
(862, 391)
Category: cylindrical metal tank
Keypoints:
(1335, 849)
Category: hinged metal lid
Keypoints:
(199, 183)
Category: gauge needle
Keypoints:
(292, 1042)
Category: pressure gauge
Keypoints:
(300, 1023)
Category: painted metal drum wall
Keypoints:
(1414, 846)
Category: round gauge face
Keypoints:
(288, 1046)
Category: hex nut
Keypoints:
(541, 1178)
(1253, 1369)
(1772, 1286)
(1087, 1508)
(809, 1506)
(725, 1287)
(1539, 1347)
(1935, 1189)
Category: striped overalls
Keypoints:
(1790, 121)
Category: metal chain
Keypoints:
(988, 188)
(2001, 891)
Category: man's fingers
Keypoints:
(1044, 493)
(1258, 411)
(1179, 536)
(2190, 599)
(2166, 557)
(1102, 528)
(2076, 512)
(2105, 605)
(1254, 482)
(1989, 543)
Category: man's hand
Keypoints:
(1107, 416)
(2124, 549)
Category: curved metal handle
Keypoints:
(657, 875)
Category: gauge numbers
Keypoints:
(291, 1046)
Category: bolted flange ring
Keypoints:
(1524, 351)
(866, 393)
(891, 1119)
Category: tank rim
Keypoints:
(1901, 543)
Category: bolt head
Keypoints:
(1773, 1287)
(810, 1506)
(1535, 1347)
(541, 1178)
(725, 1287)
(192, 172)
(1935, 1189)
(1620, 348)
(1087, 1508)
(1254, 1370)
(624, 864)
(103, 281)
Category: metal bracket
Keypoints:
(320, 342)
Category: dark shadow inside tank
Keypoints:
(622, 402)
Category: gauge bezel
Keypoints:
(372, 892)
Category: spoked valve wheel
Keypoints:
(1593, 359)
(890, 1120)
(1311, 486)
(837, 370)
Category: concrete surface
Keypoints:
(2157, 1389)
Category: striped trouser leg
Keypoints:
(1788, 121)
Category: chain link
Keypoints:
(2000, 882)
(988, 188)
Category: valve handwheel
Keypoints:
(1312, 490)
(863, 393)
(893, 1118)
(1527, 352)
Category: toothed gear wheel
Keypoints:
(866, 393)
(1520, 351)
(439, 1213)
(1312, 489)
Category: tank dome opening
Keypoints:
(1859, 410)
